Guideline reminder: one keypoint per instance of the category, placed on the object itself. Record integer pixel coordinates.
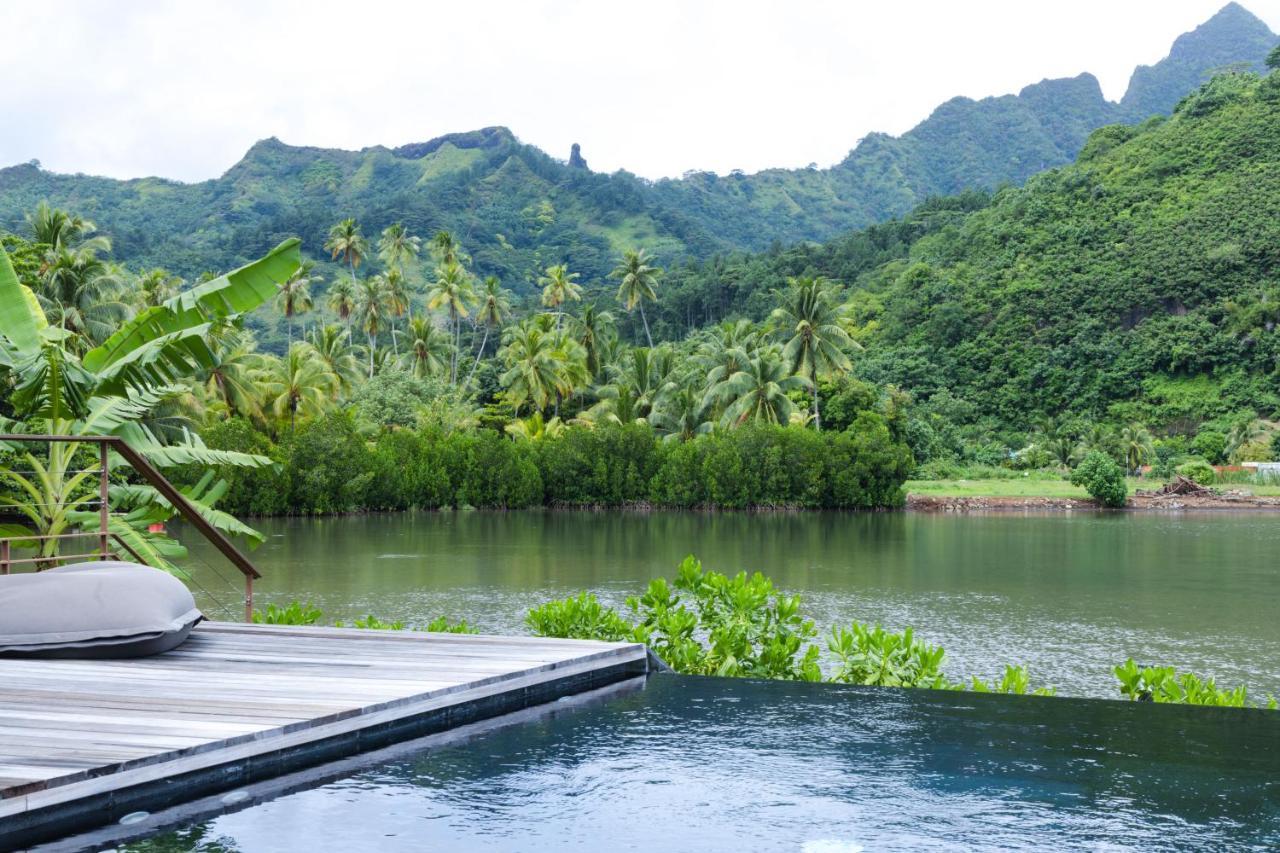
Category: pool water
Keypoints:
(706, 764)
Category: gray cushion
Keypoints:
(94, 610)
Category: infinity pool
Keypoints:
(704, 764)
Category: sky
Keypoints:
(128, 88)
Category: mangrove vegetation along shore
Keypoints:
(703, 622)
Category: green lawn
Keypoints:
(1022, 487)
(1041, 486)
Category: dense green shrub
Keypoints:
(1199, 471)
(610, 465)
(774, 466)
(492, 471)
(410, 472)
(1210, 444)
(328, 466)
(395, 397)
(1103, 478)
(865, 466)
(250, 491)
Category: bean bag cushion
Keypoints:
(94, 610)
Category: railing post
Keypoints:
(4, 557)
(104, 516)
(248, 598)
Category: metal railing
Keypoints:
(105, 538)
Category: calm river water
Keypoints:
(1068, 594)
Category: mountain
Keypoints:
(1141, 283)
(516, 209)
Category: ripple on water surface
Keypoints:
(703, 764)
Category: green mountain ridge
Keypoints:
(1141, 283)
(517, 209)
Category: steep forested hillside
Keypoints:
(1140, 283)
(519, 210)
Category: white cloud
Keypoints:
(181, 89)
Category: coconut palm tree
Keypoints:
(638, 284)
(342, 301)
(398, 301)
(452, 292)
(299, 384)
(157, 287)
(758, 392)
(82, 294)
(333, 345)
(370, 313)
(492, 311)
(426, 348)
(347, 242)
(397, 247)
(236, 376)
(533, 365)
(293, 297)
(558, 287)
(816, 343)
(1242, 433)
(592, 330)
(1138, 446)
(445, 248)
(680, 414)
(58, 229)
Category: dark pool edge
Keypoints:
(52, 828)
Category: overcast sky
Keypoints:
(180, 89)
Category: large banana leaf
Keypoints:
(108, 414)
(165, 359)
(20, 316)
(234, 293)
(143, 497)
(156, 550)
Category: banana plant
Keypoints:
(115, 389)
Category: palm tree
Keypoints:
(533, 365)
(1242, 433)
(342, 301)
(294, 296)
(452, 292)
(592, 330)
(370, 313)
(446, 249)
(398, 301)
(1138, 446)
(332, 345)
(680, 414)
(157, 287)
(347, 242)
(759, 392)
(82, 294)
(397, 247)
(807, 313)
(558, 287)
(58, 229)
(427, 348)
(236, 377)
(493, 312)
(638, 284)
(299, 383)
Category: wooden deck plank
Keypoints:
(75, 732)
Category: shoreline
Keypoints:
(1226, 502)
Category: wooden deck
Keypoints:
(84, 742)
